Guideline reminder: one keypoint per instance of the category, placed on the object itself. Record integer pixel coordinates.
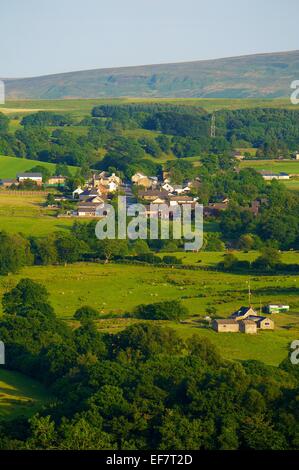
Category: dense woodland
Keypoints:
(143, 388)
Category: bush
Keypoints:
(168, 310)
(171, 260)
(86, 313)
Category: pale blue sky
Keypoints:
(40, 37)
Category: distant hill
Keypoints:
(252, 76)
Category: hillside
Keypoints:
(252, 76)
(10, 166)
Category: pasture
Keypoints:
(10, 166)
(116, 289)
(276, 166)
(81, 107)
(20, 395)
(26, 214)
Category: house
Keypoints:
(296, 156)
(36, 177)
(88, 193)
(225, 326)
(174, 200)
(159, 200)
(87, 209)
(243, 313)
(145, 181)
(269, 175)
(248, 327)
(106, 182)
(178, 189)
(277, 308)
(56, 180)
(77, 192)
(153, 194)
(167, 187)
(8, 182)
(262, 323)
(239, 156)
(215, 208)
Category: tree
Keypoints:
(26, 296)
(14, 253)
(86, 313)
(69, 248)
(168, 310)
(108, 249)
(4, 123)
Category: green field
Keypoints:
(19, 395)
(27, 215)
(81, 107)
(115, 289)
(277, 166)
(10, 166)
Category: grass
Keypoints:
(287, 166)
(206, 258)
(10, 166)
(24, 213)
(27, 215)
(20, 395)
(115, 289)
(82, 107)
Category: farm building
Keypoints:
(7, 182)
(248, 326)
(36, 177)
(262, 323)
(269, 175)
(277, 308)
(87, 209)
(243, 312)
(225, 326)
(56, 180)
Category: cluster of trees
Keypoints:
(277, 222)
(269, 261)
(142, 388)
(273, 130)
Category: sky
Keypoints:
(39, 37)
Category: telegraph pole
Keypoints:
(213, 126)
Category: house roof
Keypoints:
(247, 321)
(241, 312)
(226, 321)
(29, 175)
(153, 193)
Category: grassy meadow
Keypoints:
(276, 166)
(116, 289)
(10, 166)
(19, 395)
(26, 214)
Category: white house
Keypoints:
(77, 192)
(36, 177)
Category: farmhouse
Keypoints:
(243, 313)
(262, 323)
(248, 326)
(225, 326)
(36, 177)
(277, 308)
